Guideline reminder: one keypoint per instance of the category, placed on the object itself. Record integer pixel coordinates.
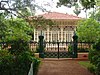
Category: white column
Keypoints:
(51, 35)
(34, 34)
(61, 34)
(47, 35)
(65, 36)
(37, 36)
(58, 35)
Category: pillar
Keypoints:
(61, 34)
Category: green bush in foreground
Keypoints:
(94, 57)
(17, 65)
(91, 68)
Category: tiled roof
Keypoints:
(57, 15)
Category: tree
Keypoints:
(88, 30)
(95, 15)
(20, 8)
(77, 10)
(85, 3)
(14, 29)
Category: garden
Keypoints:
(16, 56)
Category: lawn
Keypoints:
(85, 64)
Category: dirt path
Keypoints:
(62, 67)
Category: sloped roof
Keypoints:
(57, 15)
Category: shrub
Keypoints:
(98, 67)
(92, 68)
(97, 45)
(35, 66)
(17, 65)
(19, 46)
(6, 62)
(94, 57)
(92, 53)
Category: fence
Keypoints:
(52, 46)
(84, 46)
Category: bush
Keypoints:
(17, 65)
(94, 57)
(97, 45)
(92, 53)
(19, 46)
(6, 62)
(92, 68)
(35, 66)
(98, 68)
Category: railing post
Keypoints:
(75, 43)
(41, 46)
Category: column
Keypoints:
(47, 34)
(58, 36)
(34, 34)
(61, 34)
(65, 35)
(51, 36)
(37, 36)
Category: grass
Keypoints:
(85, 64)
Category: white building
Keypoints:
(62, 31)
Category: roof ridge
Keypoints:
(58, 15)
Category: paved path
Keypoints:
(62, 67)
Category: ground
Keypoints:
(62, 67)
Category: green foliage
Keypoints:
(95, 14)
(84, 63)
(87, 4)
(97, 45)
(94, 57)
(19, 46)
(88, 30)
(92, 53)
(17, 59)
(14, 30)
(24, 7)
(17, 65)
(98, 68)
(18, 29)
(92, 68)
(88, 65)
(36, 66)
(70, 49)
(6, 61)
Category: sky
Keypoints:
(50, 5)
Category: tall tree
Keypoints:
(88, 30)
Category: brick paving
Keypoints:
(62, 67)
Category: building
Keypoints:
(63, 30)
